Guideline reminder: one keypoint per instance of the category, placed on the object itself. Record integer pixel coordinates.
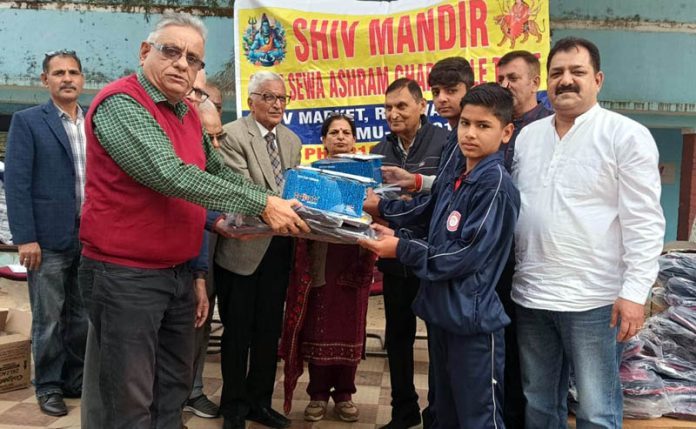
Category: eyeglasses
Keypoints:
(173, 53)
(198, 94)
(220, 136)
(271, 98)
(51, 54)
(341, 115)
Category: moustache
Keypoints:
(68, 87)
(567, 88)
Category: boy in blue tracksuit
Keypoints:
(474, 208)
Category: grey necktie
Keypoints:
(274, 155)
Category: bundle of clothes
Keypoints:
(658, 370)
(327, 227)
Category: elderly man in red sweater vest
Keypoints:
(151, 175)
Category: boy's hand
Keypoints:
(371, 204)
(384, 247)
(382, 231)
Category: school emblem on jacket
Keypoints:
(453, 221)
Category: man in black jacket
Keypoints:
(414, 145)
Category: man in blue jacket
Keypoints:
(44, 180)
(414, 146)
(474, 210)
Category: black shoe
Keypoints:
(428, 416)
(267, 416)
(53, 405)
(404, 422)
(233, 423)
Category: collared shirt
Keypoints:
(508, 150)
(428, 180)
(591, 226)
(264, 133)
(76, 136)
(5, 234)
(265, 130)
(402, 148)
(137, 143)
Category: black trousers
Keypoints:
(399, 293)
(251, 310)
(514, 402)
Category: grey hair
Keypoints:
(178, 19)
(207, 106)
(259, 78)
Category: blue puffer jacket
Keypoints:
(468, 242)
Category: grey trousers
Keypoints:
(140, 346)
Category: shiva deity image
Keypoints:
(264, 44)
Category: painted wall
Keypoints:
(631, 11)
(669, 142)
(106, 41)
(647, 47)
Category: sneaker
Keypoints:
(347, 411)
(315, 411)
(202, 407)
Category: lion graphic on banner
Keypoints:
(264, 45)
(517, 20)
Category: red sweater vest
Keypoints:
(126, 223)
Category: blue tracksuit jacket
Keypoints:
(468, 241)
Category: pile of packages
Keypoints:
(332, 193)
(658, 371)
(325, 227)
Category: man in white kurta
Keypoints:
(589, 234)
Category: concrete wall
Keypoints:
(107, 41)
(647, 47)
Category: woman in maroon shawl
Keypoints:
(327, 307)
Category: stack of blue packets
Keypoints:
(332, 206)
(365, 165)
(327, 190)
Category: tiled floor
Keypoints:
(18, 409)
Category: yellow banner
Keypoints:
(342, 55)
